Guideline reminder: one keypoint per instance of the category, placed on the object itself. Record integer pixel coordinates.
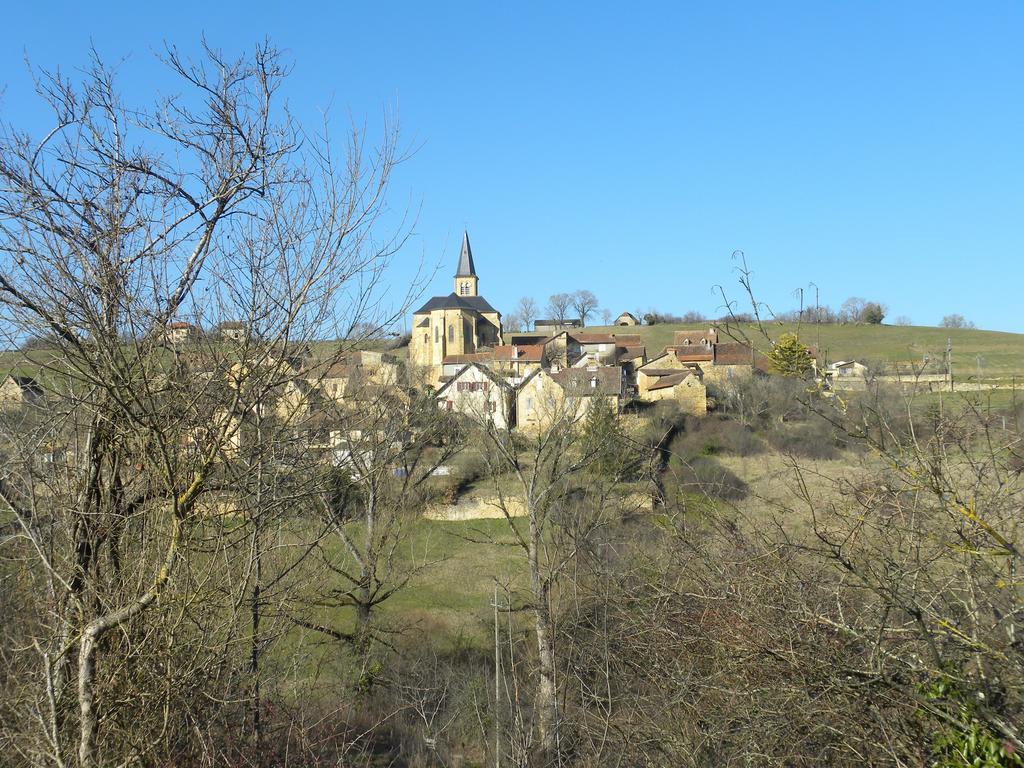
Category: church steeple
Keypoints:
(465, 276)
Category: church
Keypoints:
(461, 323)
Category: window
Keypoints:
(451, 333)
(529, 403)
(426, 338)
(437, 332)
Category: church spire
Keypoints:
(466, 267)
(465, 276)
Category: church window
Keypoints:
(451, 333)
(426, 338)
(437, 330)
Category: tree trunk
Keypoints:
(544, 701)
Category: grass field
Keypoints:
(1002, 354)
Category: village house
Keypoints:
(671, 376)
(180, 332)
(17, 391)
(480, 394)
(627, 318)
(847, 369)
(460, 323)
(360, 369)
(846, 374)
(233, 330)
(568, 394)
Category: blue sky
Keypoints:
(874, 148)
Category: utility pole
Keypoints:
(949, 362)
(497, 683)
(817, 317)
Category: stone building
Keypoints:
(461, 323)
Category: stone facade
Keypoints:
(462, 323)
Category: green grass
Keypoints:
(1002, 353)
(450, 597)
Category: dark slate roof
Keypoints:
(466, 266)
(454, 301)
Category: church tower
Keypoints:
(465, 276)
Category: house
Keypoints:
(847, 369)
(479, 394)
(671, 375)
(685, 385)
(720, 362)
(568, 394)
(17, 391)
(630, 354)
(552, 326)
(698, 337)
(180, 332)
(347, 376)
(627, 318)
(596, 347)
(561, 350)
(233, 330)
(846, 374)
(460, 323)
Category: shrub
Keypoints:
(713, 436)
(812, 439)
(705, 476)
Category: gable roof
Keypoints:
(526, 353)
(734, 353)
(454, 301)
(692, 354)
(605, 381)
(466, 266)
(497, 380)
(694, 336)
(672, 379)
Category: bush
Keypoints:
(813, 439)
(713, 436)
(704, 476)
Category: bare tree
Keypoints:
(527, 311)
(584, 303)
(558, 306)
(576, 437)
(956, 321)
(121, 219)
(392, 443)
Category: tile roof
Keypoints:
(526, 353)
(694, 336)
(695, 354)
(734, 353)
(676, 378)
(628, 340)
(605, 381)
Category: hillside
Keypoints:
(1002, 354)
